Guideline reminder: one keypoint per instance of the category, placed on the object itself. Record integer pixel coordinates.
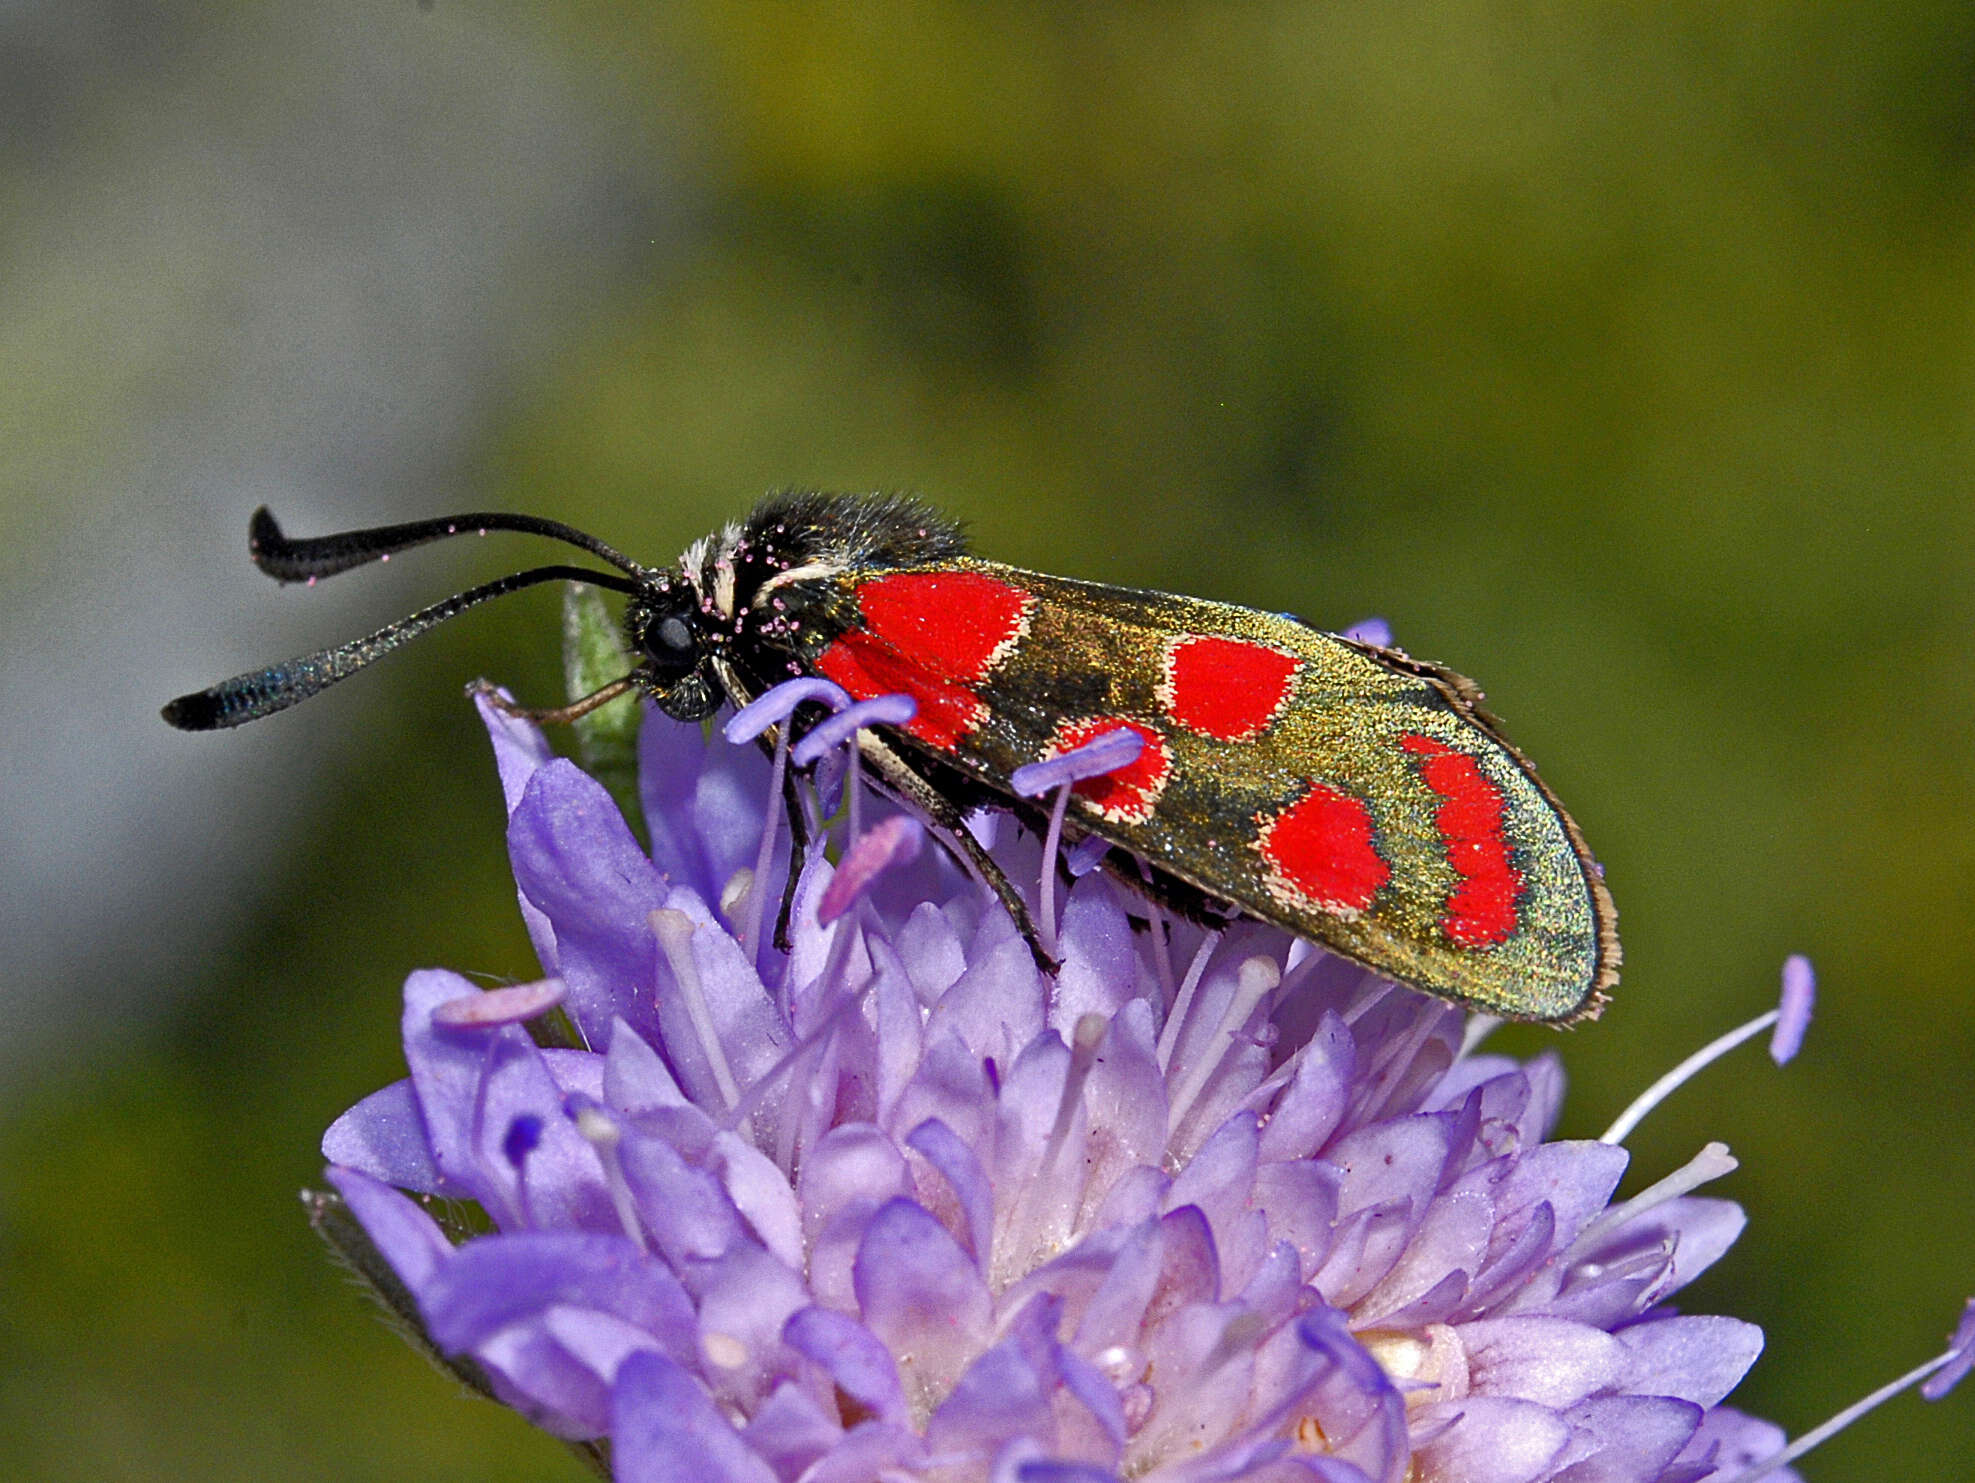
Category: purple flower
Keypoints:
(893, 1204)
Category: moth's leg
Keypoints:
(897, 777)
(798, 818)
(560, 715)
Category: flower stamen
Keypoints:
(723, 1351)
(757, 1092)
(1941, 1373)
(511, 1004)
(893, 841)
(1255, 980)
(1182, 1002)
(674, 931)
(1086, 855)
(834, 731)
(1791, 1018)
(1083, 1052)
(1096, 757)
(1160, 928)
(769, 709)
(1711, 1163)
(601, 1131)
(1023, 1233)
(1794, 1009)
(524, 1133)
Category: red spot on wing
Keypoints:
(955, 625)
(866, 668)
(1129, 794)
(1228, 689)
(1319, 852)
(1481, 911)
(933, 636)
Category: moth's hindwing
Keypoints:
(1343, 792)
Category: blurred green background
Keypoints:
(1619, 355)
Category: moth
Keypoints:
(1338, 789)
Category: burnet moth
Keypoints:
(1338, 789)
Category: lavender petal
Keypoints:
(575, 859)
(496, 1281)
(1693, 1357)
(665, 1429)
(384, 1136)
(856, 1362)
(919, 1293)
(409, 1239)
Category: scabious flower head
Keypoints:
(894, 1204)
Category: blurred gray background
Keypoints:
(300, 256)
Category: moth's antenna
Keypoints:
(288, 560)
(248, 697)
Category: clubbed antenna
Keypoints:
(262, 692)
(288, 560)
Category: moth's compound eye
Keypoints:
(670, 642)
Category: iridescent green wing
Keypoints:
(1344, 792)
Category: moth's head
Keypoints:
(674, 640)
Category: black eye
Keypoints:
(670, 642)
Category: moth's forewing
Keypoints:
(1345, 793)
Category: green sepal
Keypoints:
(353, 1249)
(593, 656)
